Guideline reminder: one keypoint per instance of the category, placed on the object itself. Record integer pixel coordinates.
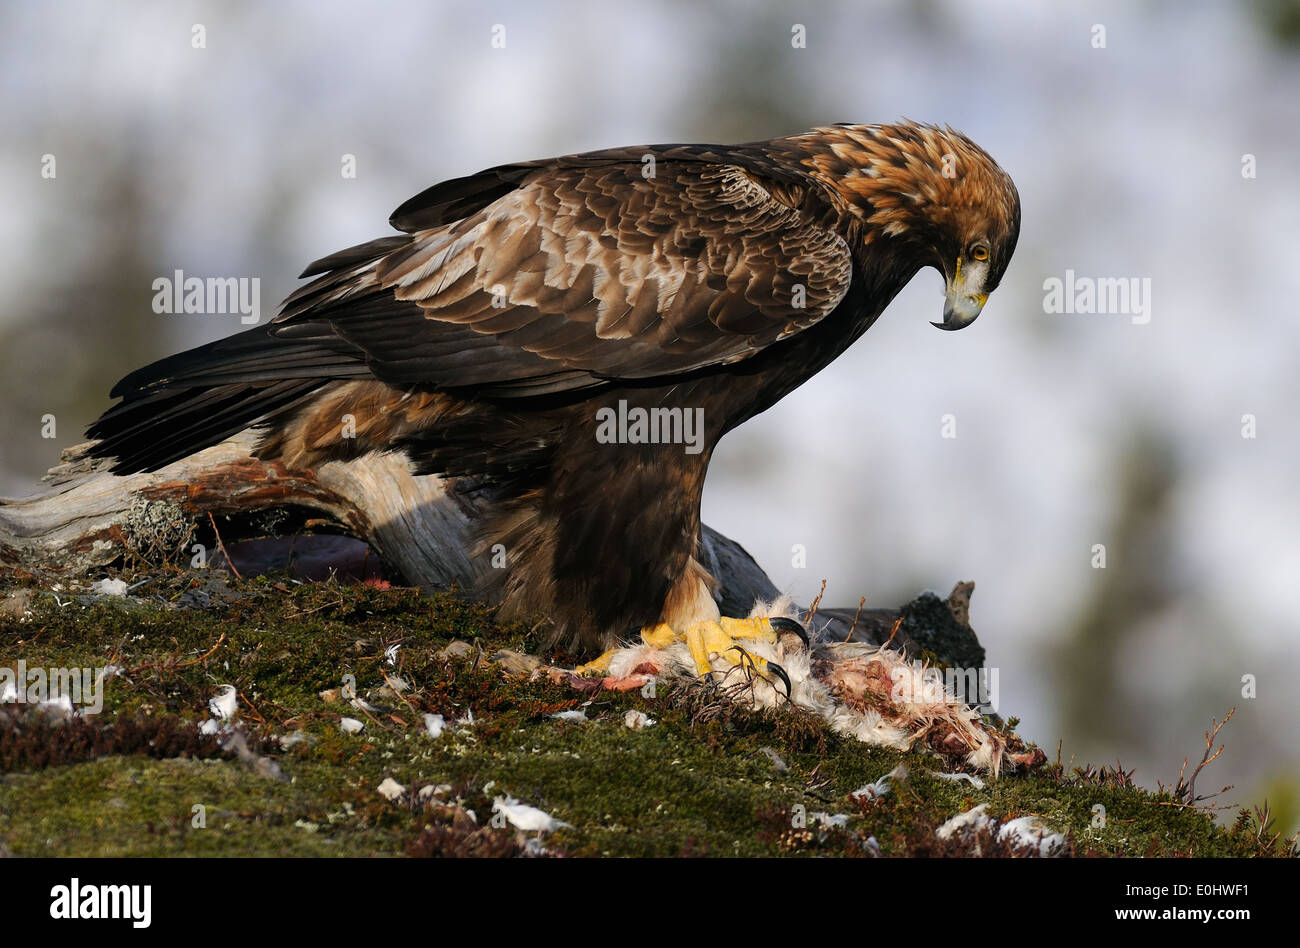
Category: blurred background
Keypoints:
(224, 158)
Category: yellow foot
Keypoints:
(720, 639)
(599, 666)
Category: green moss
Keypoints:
(708, 778)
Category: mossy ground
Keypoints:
(708, 778)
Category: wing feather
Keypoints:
(579, 272)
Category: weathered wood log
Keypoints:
(420, 527)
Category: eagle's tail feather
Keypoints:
(252, 356)
(148, 433)
(195, 399)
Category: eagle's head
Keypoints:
(934, 194)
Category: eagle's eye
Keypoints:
(979, 252)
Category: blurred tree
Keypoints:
(1135, 586)
(756, 86)
(1279, 20)
(85, 328)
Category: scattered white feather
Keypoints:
(576, 714)
(390, 654)
(350, 726)
(637, 720)
(110, 671)
(434, 725)
(109, 587)
(973, 819)
(974, 781)
(390, 789)
(210, 726)
(1026, 831)
(61, 704)
(874, 791)
(1031, 831)
(223, 704)
(838, 821)
(525, 817)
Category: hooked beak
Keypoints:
(961, 305)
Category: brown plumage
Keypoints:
(485, 340)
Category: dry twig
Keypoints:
(222, 546)
(893, 632)
(857, 615)
(1185, 790)
(812, 609)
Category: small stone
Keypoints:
(457, 649)
(516, 663)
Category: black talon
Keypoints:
(780, 673)
(782, 624)
(748, 667)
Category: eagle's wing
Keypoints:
(534, 279)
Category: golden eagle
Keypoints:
(571, 337)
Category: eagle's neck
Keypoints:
(892, 188)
